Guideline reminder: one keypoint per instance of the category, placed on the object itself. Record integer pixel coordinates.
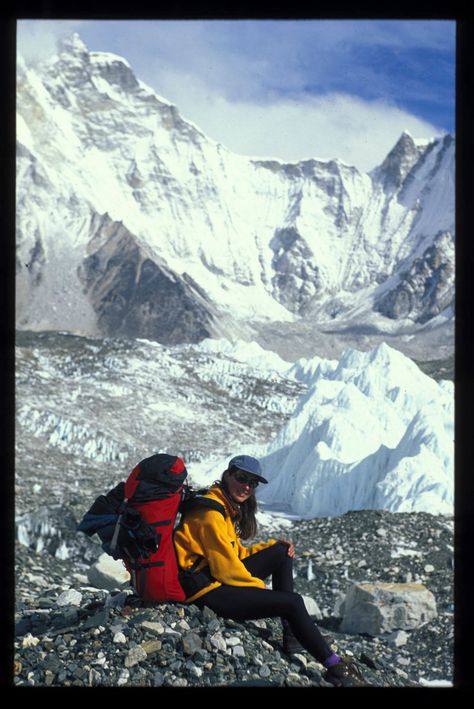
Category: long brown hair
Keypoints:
(245, 520)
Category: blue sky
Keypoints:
(286, 89)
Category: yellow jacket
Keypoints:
(205, 533)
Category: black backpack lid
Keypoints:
(156, 477)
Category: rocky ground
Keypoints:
(68, 633)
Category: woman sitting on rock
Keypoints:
(219, 572)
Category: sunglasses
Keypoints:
(245, 480)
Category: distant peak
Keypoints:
(108, 58)
(73, 44)
(398, 163)
(406, 140)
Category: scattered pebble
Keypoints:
(102, 639)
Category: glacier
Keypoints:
(371, 432)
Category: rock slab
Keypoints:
(108, 573)
(377, 608)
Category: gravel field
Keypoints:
(68, 633)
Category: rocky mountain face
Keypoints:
(426, 288)
(134, 295)
(131, 221)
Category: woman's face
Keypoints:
(239, 491)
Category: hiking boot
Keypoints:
(345, 674)
(292, 645)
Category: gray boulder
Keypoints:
(377, 608)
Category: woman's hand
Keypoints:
(290, 545)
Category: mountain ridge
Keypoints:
(260, 241)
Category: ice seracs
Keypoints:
(371, 432)
(249, 352)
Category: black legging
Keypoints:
(244, 603)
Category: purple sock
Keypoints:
(331, 660)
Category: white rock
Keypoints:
(238, 651)
(194, 669)
(80, 577)
(168, 630)
(218, 641)
(259, 623)
(153, 627)
(29, 640)
(69, 598)
(108, 573)
(301, 659)
(123, 679)
(135, 655)
(233, 641)
(37, 580)
(429, 568)
(402, 660)
(398, 638)
(119, 638)
(312, 607)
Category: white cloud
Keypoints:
(243, 84)
(331, 126)
(37, 39)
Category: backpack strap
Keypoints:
(199, 500)
(113, 543)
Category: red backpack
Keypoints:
(154, 488)
(135, 522)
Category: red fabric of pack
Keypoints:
(154, 488)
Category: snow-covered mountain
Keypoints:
(133, 222)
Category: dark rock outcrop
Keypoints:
(135, 297)
(427, 288)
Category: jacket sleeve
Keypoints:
(244, 552)
(222, 554)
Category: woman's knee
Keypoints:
(280, 550)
